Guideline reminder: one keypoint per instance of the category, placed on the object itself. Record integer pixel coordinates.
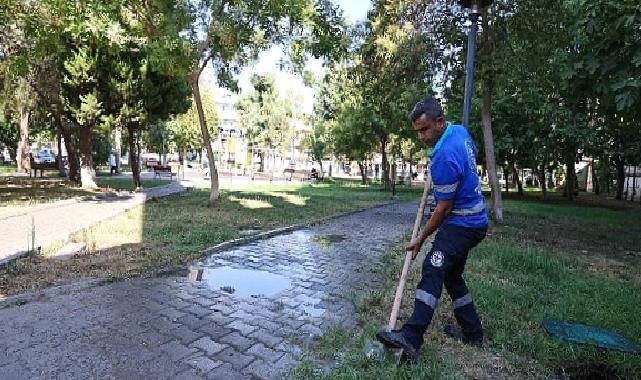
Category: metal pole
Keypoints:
(469, 75)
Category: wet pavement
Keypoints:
(248, 315)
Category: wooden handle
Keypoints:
(408, 256)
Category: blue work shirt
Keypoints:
(454, 177)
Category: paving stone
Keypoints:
(197, 310)
(203, 363)
(176, 350)
(227, 372)
(208, 346)
(184, 334)
(190, 374)
(214, 330)
(235, 358)
(262, 370)
(238, 341)
(191, 321)
(171, 313)
(244, 328)
(266, 338)
(264, 353)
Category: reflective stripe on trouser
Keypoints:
(444, 265)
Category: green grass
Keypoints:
(175, 230)
(8, 169)
(516, 286)
(563, 260)
(126, 183)
(348, 351)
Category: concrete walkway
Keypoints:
(57, 220)
(250, 316)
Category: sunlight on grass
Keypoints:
(251, 203)
(294, 199)
(123, 229)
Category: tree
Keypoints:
(606, 65)
(230, 33)
(184, 131)
(267, 118)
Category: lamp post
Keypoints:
(475, 7)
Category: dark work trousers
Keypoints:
(444, 265)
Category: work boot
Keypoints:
(397, 339)
(456, 333)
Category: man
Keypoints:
(113, 163)
(461, 220)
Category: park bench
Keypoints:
(262, 175)
(160, 170)
(300, 175)
(42, 166)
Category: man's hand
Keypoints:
(443, 208)
(414, 246)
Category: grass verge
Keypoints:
(545, 260)
(175, 230)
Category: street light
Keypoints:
(475, 7)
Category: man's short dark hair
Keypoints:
(429, 107)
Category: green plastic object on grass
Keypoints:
(583, 334)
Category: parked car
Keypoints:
(45, 156)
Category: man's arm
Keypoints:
(443, 208)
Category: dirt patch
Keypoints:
(590, 371)
(129, 260)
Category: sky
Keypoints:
(354, 11)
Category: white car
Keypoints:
(45, 157)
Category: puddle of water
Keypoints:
(324, 241)
(243, 282)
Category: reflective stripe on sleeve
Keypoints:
(471, 210)
(426, 298)
(446, 188)
(460, 302)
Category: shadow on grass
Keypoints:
(175, 230)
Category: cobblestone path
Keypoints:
(249, 317)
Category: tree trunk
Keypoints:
(627, 182)
(322, 174)
(506, 178)
(61, 165)
(634, 183)
(595, 179)
(23, 156)
(118, 146)
(87, 172)
(620, 166)
(490, 162)
(544, 185)
(70, 146)
(384, 164)
(134, 161)
(213, 172)
(570, 178)
(519, 184)
(361, 166)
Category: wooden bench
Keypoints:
(262, 175)
(42, 167)
(160, 170)
(300, 175)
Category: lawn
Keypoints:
(16, 192)
(7, 169)
(571, 261)
(174, 230)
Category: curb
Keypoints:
(284, 230)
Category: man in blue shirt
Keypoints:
(461, 219)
